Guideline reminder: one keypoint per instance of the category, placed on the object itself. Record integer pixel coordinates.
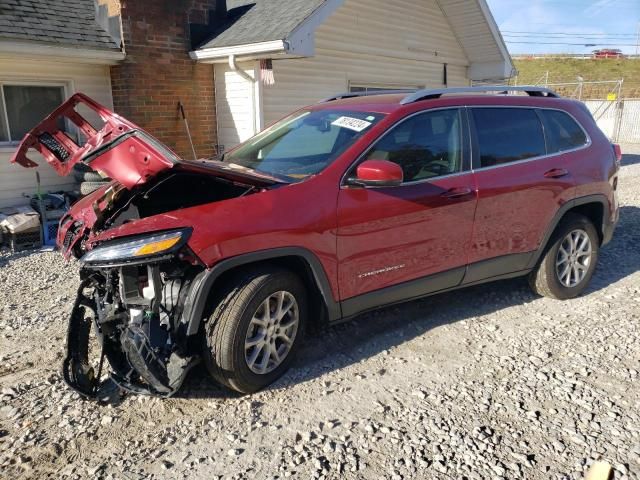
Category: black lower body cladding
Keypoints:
(135, 312)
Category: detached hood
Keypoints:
(117, 148)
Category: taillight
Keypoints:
(618, 151)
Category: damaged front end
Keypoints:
(133, 292)
(131, 238)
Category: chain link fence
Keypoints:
(619, 120)
(617, 117)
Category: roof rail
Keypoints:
(437, 93)
(365, 94)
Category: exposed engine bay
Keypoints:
(175, 191)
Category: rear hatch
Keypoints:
(104, 141)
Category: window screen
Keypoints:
(426, 146)
(26, 106)
(563, 133)
(508, 135)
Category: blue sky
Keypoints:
(539, 24)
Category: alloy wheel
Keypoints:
(574, 258)
(272, 332)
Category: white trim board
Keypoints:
(55, 52)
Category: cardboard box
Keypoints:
(19, 219)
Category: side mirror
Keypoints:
(378, 173)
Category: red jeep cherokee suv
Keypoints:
(360, 201)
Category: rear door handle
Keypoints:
(556, 173)
(457, 192)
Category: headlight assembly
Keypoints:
(138, 249)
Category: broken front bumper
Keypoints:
(144, 344)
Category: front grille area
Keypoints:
(70, 233)
(54, 146)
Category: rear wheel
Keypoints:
(256, 329)
(568, 264)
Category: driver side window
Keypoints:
(425, 146)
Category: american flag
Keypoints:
(266, 72)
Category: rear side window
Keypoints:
(508, 135)
(563, 133)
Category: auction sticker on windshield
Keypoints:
(351, 123)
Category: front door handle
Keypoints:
(457, 192)
(556, 173)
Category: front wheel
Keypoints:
(256, 329)
(568, 264)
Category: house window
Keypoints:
(362, 87)
(22, 107)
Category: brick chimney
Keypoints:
(108, 17)
(158, 73)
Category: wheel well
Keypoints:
(594, 211)
(298, 265)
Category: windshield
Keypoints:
(302, 144)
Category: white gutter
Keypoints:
(251, 49)
(67, 54)
(299, 43)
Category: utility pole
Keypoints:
(638, 41)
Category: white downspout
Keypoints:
(234, 68)
(256, 93)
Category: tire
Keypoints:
(79, 169)
(82, 167)
(93, 177)
(231, 325)
(84, 173)
(552, 282)
(89, 187)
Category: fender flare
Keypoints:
(198, 295)
(576, 202)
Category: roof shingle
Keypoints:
(59, 22)
(254, 21)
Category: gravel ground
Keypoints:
(487, 382)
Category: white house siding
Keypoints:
(92, 80)
(477, 33)
(370, 42)
(365, 42)
(237, 104)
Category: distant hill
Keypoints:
(566, 70)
